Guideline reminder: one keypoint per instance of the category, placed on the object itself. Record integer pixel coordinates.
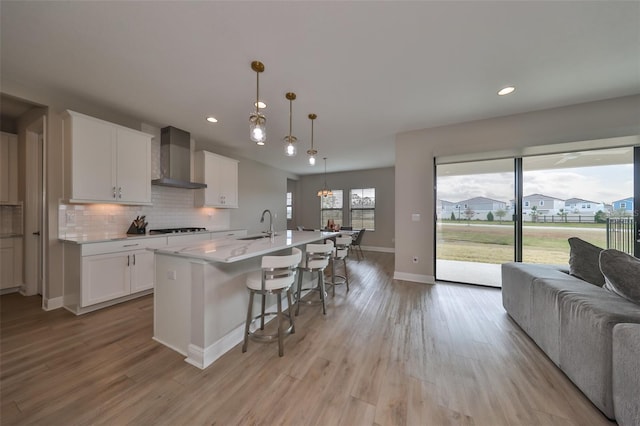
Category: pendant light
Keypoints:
(290, 147)
(325, 191)
(312, 152)
(257, 121)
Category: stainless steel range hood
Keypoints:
(175, 160)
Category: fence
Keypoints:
(571, 218)
(621, 234)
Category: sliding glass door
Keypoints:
(586, 194)
(574, 194)
(475, 227)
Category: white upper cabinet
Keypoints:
(108, 163)
(8, 168)
(221, 176)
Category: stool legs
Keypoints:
(333, 274)
(321, 289)
(246, 327)
(280, 332)
(290, 301)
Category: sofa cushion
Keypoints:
(626, 374)
(622, 274)
(583, 261)
(587, 320)
(517, 280)
(545, 310)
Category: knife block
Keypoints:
(133, 230)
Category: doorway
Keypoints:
(34, 195)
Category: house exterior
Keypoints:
(480, 206)
(542, 205)
(623, 207)
(583, 207)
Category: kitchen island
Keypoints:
(200, 299)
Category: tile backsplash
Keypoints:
(172, 208)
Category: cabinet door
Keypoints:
(228, 178)
(6, 264)
(105, 277)
(8, 168)
(142, 270)
(93, 160)
(133, 166)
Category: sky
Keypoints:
(596, 183)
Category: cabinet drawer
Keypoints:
(123, 245)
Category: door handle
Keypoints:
(36, 233)
(134, 260)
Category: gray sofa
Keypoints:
(573, 321)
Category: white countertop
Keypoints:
(233, 249)
(101, 237)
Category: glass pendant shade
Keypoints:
(290, 149)
(257, 121)
(312, 152)
(257, 130)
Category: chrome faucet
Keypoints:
(270, 233)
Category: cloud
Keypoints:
(600, 184)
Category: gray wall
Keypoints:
(308, 205)
(511, 135)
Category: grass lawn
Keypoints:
(542, 243)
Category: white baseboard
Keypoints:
(416, 278)
(53, 303)
(202, 358)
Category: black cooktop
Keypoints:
(176, 230)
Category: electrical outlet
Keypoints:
(415, 259)
(71, 217)
(171, 275)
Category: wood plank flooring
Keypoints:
(387, 353)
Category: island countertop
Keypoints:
(233, 249)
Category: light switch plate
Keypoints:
(415, 217)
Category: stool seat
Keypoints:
(277, 274)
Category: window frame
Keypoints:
(362, 209)
(340, 221)
(288, 203)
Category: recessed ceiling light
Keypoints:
(260, 104)
(506, 90)
(211, 119)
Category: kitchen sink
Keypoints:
(255, 237)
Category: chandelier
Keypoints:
(325, 191)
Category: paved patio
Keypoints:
(469, 272)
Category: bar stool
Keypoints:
(315, 260)
(340, 253)
(278, 274)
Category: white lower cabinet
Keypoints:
(109, 276)
(10, 263)
(101, 274)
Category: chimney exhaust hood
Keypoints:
(175, 160)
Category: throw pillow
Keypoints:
(621, 273)
(583, 261)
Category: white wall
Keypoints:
(416, 150)
(308, 204)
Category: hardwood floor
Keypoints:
(387, 353)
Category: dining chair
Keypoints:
(357, 239)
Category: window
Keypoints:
(542, 202)
(623, 205)
(331, 208)
(363, 208)
(526, 204)
(289, 205)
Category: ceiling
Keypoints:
(369, 70)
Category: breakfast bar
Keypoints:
(200, 297)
